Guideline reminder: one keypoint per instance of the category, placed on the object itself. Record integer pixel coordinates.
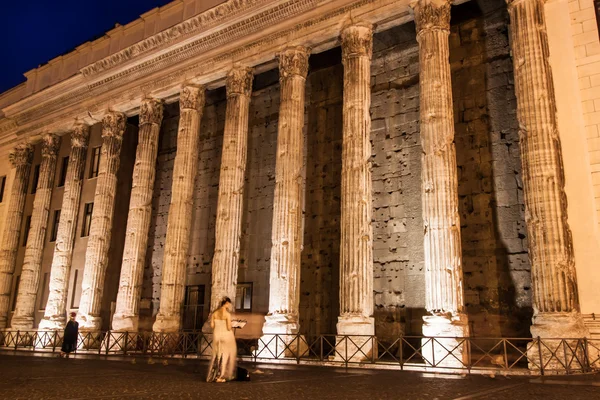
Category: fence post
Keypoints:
(401, 353)
(17, 341)
(539, 339)
(586, 356)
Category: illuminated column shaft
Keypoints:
(284, 298)
(54, 314)
(177, 244)
(32, 264)
(356, 246)
(231, 187)
(96, 256)
(554, 282)
(20, 159)
(443, 255)
(138, 220)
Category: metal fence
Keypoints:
(458, 355)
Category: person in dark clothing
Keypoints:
(70, 337)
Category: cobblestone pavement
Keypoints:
(26, 377)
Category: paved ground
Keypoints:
(26, 377)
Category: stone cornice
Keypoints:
(203, 21)
(261, 30)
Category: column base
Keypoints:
(443, 345)
(355, 342)
(89, 323)
(125, 323)
(554, 355)
(19, 323)
(167, 323)
(280, 338)
(52, 324)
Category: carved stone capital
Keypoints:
(239, 81)
(192, 97)
(151, 111)
(293, 61)
(80, 135)
(357, 40)
(22, 154)
(512, 3)
(50, 145)
(113, 124)
(432, 15)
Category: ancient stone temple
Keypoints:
(343, 167)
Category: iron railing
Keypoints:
(461, 355)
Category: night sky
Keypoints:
(36, 31)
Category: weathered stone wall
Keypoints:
(490, 192)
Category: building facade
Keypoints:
(355, 167)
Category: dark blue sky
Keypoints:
(36, 31)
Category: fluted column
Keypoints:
(231, 187)
(23, 317)
(191, 104)
(439, 190)
(20, 159)
(138, 220)
(554, 282)
(55, 313)
(284, 290)
(356, 244)
(96, 256)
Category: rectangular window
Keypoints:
(74, 295)
(55, 223)
(87, 219)
(243, 297)
(26, 230)
(36, 178)
(95, 162)
(193, 309)
(63, 171)
(14, 302)
(45, 291)
(2, 183)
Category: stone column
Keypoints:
(231, 187)
(191, 104)
(443, 255)
(138, 220)
(284, 293)
(356, 242)
(96, 256)
(55, 313)
(554, 282)
(20, 158)
(24, 315)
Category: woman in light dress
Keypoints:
(224, 349)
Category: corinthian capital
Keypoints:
(22, 154)
(239, 81)
(113, 124)
(151, 112)
(432, 14)
(80, 135)
(192, 97)
(50, 145)
(357, 40)
(293, 61)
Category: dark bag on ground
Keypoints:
(242, 374)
